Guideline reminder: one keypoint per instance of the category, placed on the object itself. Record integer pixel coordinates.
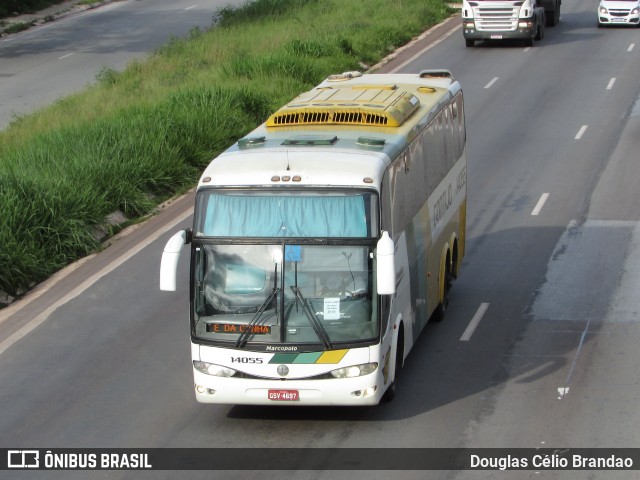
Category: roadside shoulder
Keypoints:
(23, 22)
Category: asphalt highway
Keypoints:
(538, 349)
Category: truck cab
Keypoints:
(503, 20)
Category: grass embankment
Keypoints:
(140, 136)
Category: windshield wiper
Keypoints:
(244, 336)
(315, 323)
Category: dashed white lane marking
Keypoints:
(473, 324)
(611, 82)
(490, 84)
(580, 133)
(66, 56)
(631, 47)
(543, 199)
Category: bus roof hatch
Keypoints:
(370, 105)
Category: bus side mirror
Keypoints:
(386, 269)
(169, 262)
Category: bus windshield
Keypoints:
(265, 214)
(275, 267)
(265, 296)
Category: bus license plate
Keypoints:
(284, 395)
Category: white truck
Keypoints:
(508, 19)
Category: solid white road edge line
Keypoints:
(39, 319)
(428, 47)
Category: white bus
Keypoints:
(324, 241)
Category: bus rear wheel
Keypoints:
(441, 309)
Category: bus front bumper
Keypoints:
(365, 390)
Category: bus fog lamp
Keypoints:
(355, 371)
(213, 369)
(367, 392)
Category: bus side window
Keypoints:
(385, 302)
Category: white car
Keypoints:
(619, 12)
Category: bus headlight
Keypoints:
(213, 369)
(355, 371)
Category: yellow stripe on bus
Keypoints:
(334, 356)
